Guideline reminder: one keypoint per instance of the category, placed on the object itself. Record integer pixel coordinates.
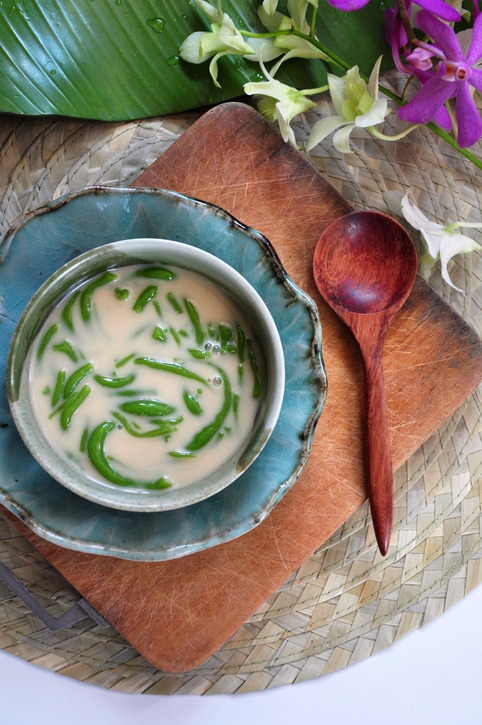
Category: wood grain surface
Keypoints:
(364, 266)
(177, 613)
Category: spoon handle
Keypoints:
(378, 453)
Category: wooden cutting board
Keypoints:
(177, 613)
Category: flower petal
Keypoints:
(376, 114)
(475, 78)
(468, 118)
(273, 89)
(190, 49)
(322, 128)
(442, 119)
(442, 34)
(440, 8)
(267, 106)
(292, 42)
(433, 241)
(297, 11)
(271, 22)
(232, 38)
(215, 15)
(348, 5)
(269, 6)
(341, 139)
(475, 51)
(452, 244)
(310, 52)
(263, 48)
(432, 232)
(373, 80)
(213, 67)
(430, 98)
(414, 216)
(337, 91)
(284, 126)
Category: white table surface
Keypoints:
(433, 676)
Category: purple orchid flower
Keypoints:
(454, 75)
(438, 7)
(397, 37)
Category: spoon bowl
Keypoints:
(365, 266)
(367, 263)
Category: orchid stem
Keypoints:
(407, 88)
(341, 63)
(274, 34)
(452, 142)
(402, 11)
(397, 137)
(468, 225)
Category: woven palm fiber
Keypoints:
(346, 602)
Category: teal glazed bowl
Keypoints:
(210, 466)
(51, 237)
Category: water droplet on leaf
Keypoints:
(157, 24)
(173, 60)
(257, 77)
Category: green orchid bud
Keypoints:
(224, 39)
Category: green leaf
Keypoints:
(358, 37)
(118, 59)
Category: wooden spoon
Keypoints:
(364, 266)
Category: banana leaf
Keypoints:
(118, 59)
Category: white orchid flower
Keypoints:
(291, 45)
(280, 103)
(357, 106)
(224, 39)
(442, 241)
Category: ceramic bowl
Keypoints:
(74, 470)
(51, 236)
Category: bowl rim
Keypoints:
(139, 250)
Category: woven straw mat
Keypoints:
(346, 602)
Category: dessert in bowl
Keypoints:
(50, 237)
(146, 375)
